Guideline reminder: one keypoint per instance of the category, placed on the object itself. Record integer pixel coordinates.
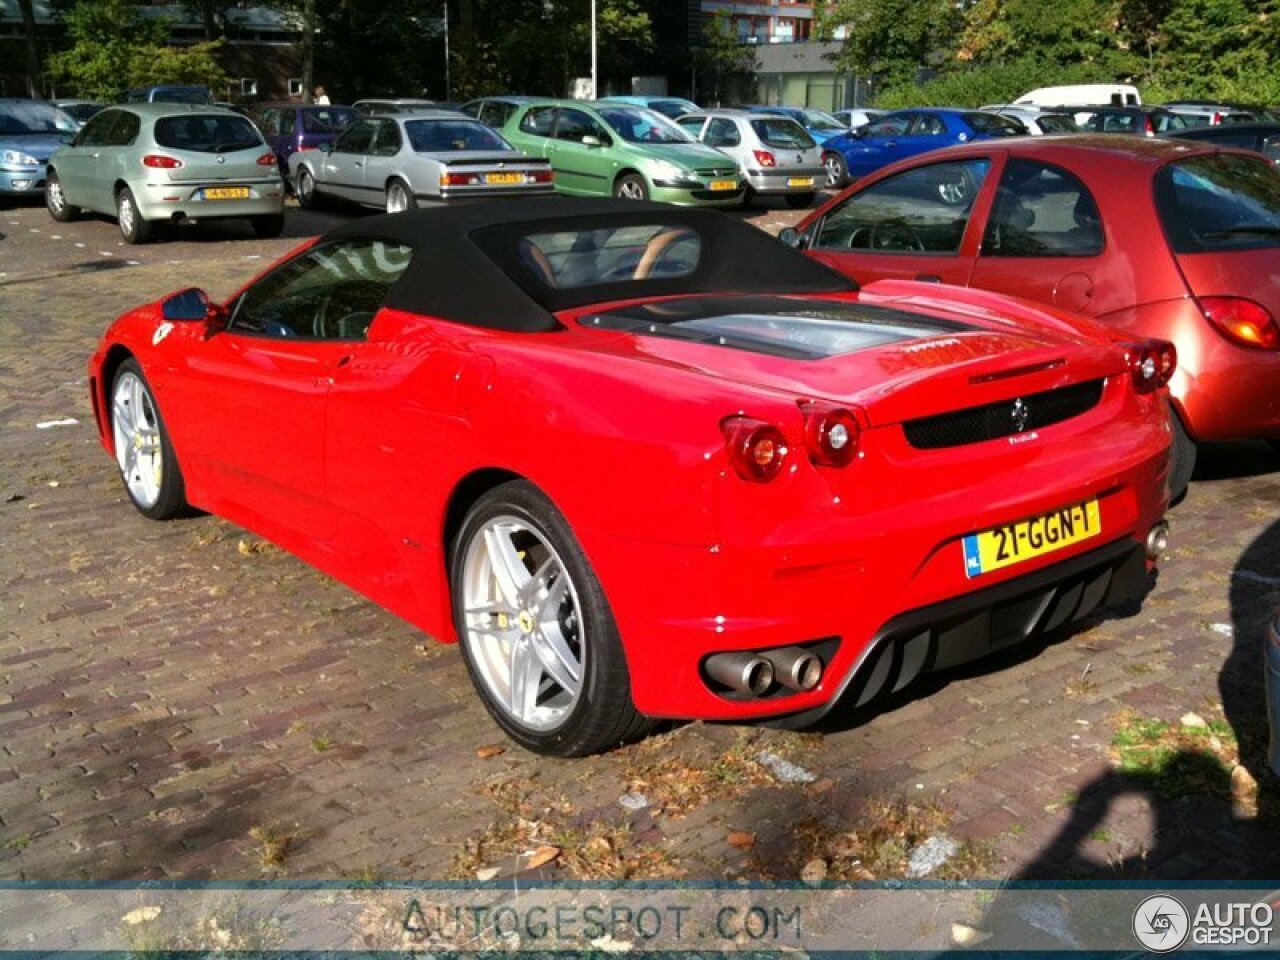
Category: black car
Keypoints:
(1264, 138)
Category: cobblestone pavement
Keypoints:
(182, 700)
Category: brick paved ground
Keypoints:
(165, 689)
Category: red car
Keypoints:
(1153, 238)
(649, 462)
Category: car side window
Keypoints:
(387, 140)
(888, 127)
(723, 132)
(538, 121)
(924, 210)
(357, 139)
(124, 131)
(1042, 211)
(573, 125)
(1271, 147)
(926, 125)
(96, 131)
(330, 292)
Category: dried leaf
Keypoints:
(815, 871)
(488, 873)
(541, 856)
(492, 750)
(742, 839)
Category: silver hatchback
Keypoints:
(776, 155)
(150, 162)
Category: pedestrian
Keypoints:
(321, 97)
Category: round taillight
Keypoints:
(757, 450)
(1151, 363)
(831, 434)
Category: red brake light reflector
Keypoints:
(831, 434)
(765, 158)
(459, 179)
(1151, 364)
(756, 449)
(161, 162)
(1242, 321)
(268, 159)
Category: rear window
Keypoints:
(782, 133)
(1219, 203)
(587, 258)
(206, 133)
(994, 125)
(327, 119)
(452, 136)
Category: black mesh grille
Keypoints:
(1003, 419)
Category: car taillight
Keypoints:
(1242, 321)
(830, 434)
(1217, 118)
(160, 161)
(1151, 363)
(757, 449)
(542, 176)
(268, 159)
(1151, 128)
(459, 179)
(765, 158)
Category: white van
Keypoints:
(1083, 95)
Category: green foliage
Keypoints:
(892, 38)
(998, 83)
(722, 59)
(113, 48)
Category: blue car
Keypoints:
(906, 133)
(30, 130)
(671, 107)
(818, 124)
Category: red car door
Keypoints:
(1044, 240)
(916, 224)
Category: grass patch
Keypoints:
(1175, 758)
(272, 845)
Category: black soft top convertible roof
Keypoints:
(465, 265)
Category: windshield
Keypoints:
(452, 136)
(327, 119)
(817, 120)
(81, 111)
(33, 117)
(1219, 202)
(672, 108)
(207, 133)
(637, 125)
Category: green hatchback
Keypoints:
(612, 149)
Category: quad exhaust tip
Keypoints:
(1158, 540)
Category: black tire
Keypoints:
(267, 226)
(171, 500)
(1182, 459)
(55, 200)
(748, 196)
(133, 226)
(304, 188)
(800, 201)
(631, 186)
(603, 715)
(837, 169)
(399, 192)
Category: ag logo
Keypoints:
(1161, 924)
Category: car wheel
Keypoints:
(837, 169)
(748, 195)
(1183, 460)
(399, 197)
(631, 186)
(268, 226)
(535, 628)
(133, 226)
(144, 452)
(799, 201)
(304, 188)
(56, 200)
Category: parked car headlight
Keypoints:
(668, 173)
(18, 157)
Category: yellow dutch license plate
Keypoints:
(226, 193)
(504, 178)
(1016, 542)
(724, 184)
(800, 182)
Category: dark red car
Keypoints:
(1155, 238)
(645, 461)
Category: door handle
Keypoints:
(928, 278)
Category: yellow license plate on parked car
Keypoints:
(226, 193)
(800, 182)
(504, 178)
(1016, 542)
(724, 184)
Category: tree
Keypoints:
(892, 39)
(722, 58)
(212, 15)
(32, 45)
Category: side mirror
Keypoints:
(186, 306)
(793, 238)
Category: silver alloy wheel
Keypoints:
(397, 198)
(125, 214)
(306, 186)
(834, 172)
(136, 430)
(56, 199)
(523, 623)
(631, 190)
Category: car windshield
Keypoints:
(1219, 203)
(327, 119)
(672, 108)
(452, 136)
(206, 133)
(782, 133)
(81, 111)
(587, 258)
(817, 120)
(20, 118)
(637, 125)
(994, 125)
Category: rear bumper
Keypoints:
(781, 181)
(165, 200)
(1272, 657)
(455, 194)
